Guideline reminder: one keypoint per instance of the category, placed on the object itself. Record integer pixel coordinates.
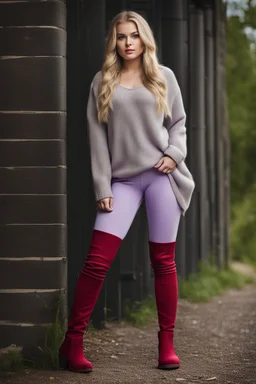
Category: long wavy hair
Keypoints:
(152, 76)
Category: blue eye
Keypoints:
(133, 36)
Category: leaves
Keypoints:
(241, 89)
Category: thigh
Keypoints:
(163, 210)
(127, 197)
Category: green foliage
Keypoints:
(11, 361)
(210, 282)
(241, 91)
(241, 86)
(91, 329)
(140, 313)
(54, 335)
(200, 287)
(243, 239)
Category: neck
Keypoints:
(133, 65)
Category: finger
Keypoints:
(111, 203)
(171, 163)
(103, 204)
(162, 168)
(160, 162)
(107, 207)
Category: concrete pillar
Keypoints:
(32, 170)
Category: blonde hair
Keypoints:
(152, 76)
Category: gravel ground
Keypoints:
(216, 342)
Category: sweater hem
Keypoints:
(180, 199)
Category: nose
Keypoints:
(128, 43)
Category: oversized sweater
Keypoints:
(137, 136)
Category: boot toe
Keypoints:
(71, 356)
(172, 363)
(82, 366)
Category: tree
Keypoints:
(241, 89)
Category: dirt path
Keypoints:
(215, 341)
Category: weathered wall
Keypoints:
(32, 168)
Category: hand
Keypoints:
(105, 204)
(166, 164)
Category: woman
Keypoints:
(137, 136)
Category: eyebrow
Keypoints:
(123, 34)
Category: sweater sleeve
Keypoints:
(99, 152)
(175, 123)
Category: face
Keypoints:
(128, 42)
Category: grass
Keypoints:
(201, 287)
(54, 334)
(243, 226)
(91, 329)
(140, 313)
(12, 361)
(211, 282)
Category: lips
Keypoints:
(129, 50)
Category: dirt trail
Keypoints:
(216, 342)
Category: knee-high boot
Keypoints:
(103, 249)
(162, 257)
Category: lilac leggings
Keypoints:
(163, 210)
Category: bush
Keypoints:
(243, 228)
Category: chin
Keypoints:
(130, 57)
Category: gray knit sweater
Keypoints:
(136, 137)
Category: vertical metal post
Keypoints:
(173, 55)
(222, 141)
(199, 211)
(210, 124)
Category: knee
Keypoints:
(102, 251)
(163, 266)
(162, 256)
(96, 267)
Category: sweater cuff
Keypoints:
(103, 194)
(175, 154)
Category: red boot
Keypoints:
(103, 249)
(162, 257)
(71, 355)
(167, 356)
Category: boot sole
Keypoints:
(168, 366)
(80, 371)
